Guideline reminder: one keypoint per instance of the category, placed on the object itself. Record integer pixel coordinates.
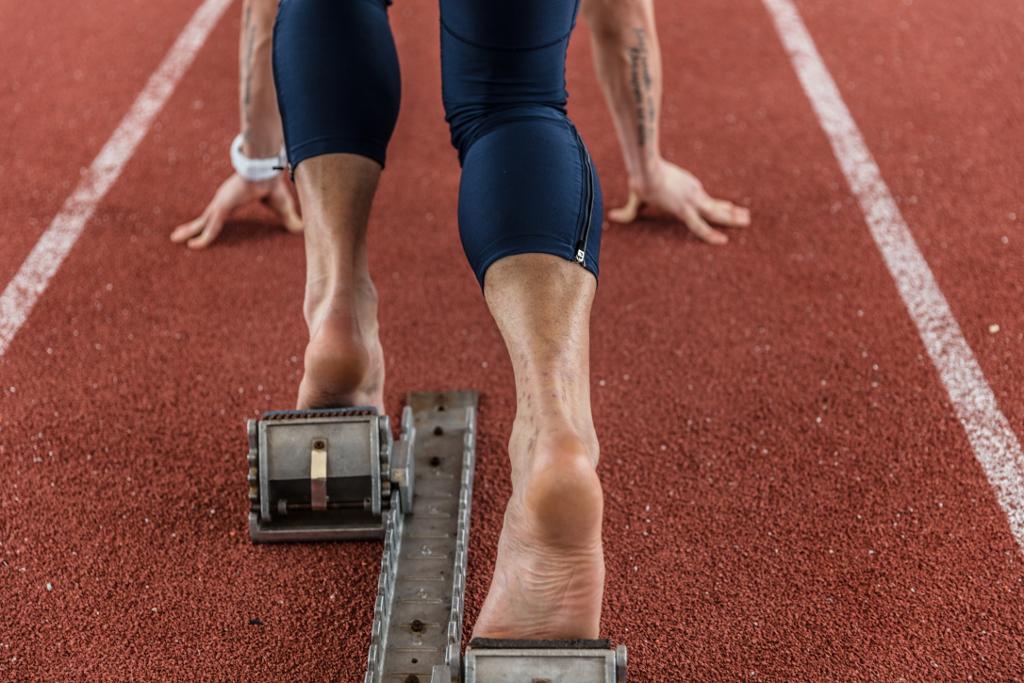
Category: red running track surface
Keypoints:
(789, 493)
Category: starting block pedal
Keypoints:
(338, 474)
(551, 661)
(320, 475)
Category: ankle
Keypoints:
(354, 295)
(548, 429)
(558, 481)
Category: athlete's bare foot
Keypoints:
(344, 361)
(549, 576)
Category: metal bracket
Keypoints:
(403, 462)
(422, 577)
(318, 475)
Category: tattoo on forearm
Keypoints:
(642, 87)
(247, 52)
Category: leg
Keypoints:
(529, 218)
(338, 91)
(344, 361)
(549, 576)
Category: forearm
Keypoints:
(260, 120)
(627, 58)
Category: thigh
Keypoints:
(337, 77)
(528, 187)
(528, 184)
(501, 54)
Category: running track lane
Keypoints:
(70, 73)
(28, 284)
(774, 543)
(947, 133)
(994, 444)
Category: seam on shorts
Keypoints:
(512, 245)
(374, 150)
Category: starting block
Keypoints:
(325, 475)
(339, 474)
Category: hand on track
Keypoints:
(234, 192)
(679, 193)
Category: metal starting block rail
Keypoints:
(338, 474)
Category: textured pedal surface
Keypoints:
(506, 644)
(418, 612)
(318, 412)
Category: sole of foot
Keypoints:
(549, 575)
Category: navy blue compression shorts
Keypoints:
(528, 183)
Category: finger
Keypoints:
(627, 213)
(280, 200)
(210, 232)
(724, 212)
(187, 230)
(699, 227)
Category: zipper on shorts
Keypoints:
(588, 198)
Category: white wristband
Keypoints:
(255, 170)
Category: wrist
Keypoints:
(255, 169)
(646, 175)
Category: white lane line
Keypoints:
(49, 252)
(995, 445)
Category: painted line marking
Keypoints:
(995, 445)
(42, 263)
